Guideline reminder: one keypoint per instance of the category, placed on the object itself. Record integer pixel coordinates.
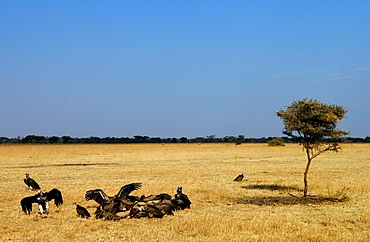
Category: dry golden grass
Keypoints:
(256, 209)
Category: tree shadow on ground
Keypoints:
(286, 198)
(273, 187)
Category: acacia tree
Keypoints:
(314, 125)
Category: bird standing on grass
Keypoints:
(82, 212)
(181, 200)
(32, 184)
(239, 178)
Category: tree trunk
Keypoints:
(306, 172)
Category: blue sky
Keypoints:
(179, 68)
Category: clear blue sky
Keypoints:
(179, 68)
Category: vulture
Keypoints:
(181, 200)
(165, 206)
(239, 178)
(143, 209)
(42, 199)
(32, 184)
(107, 213)
(123, 205)
(112, 205)
(99, 212)
(155, 208)
(162, 196)
(82, 212)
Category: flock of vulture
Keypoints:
(122, 205)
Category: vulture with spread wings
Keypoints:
(120, 202)
(42, 199)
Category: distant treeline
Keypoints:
(34, 139)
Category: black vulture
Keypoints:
(181, 200)
(100, 197)
(107, 213)
(165, 206)
(150, 209)
(112, 205)
(99, 212)
(123, 205)
(239, 178)
(42, 199)
(153, 211)
(162, 196)
(82, 212)
(32, 184)
(138, 211)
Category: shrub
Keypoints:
(276, 142)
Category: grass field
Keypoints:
(260, 208)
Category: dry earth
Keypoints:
(266, 206)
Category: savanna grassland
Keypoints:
(266, 206)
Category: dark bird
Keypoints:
(165, 206)
(42, 199)
(32, 184)
(123, 205)
(99, 213)
(162, 196)
(112, 205)
(143, 209)
(100, 197)
(181, 200)
(239, 178)
(82, 212)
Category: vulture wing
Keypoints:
(127, 189)
(162, 196)
(97, 195)
(26, 204)
(31, 183)
(56, 195)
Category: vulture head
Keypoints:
(179, 190)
